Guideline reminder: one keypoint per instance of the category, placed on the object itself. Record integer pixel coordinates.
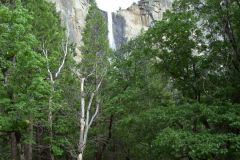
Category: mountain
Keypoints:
(73, 14)
(130, 22)
(127, 23)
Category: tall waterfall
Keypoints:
(110, 31)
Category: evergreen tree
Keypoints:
(91, 71)
(34, 46)
(170, 93)
(189, 49)
(23, 89)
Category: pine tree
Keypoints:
(23, 84)
(54, 46)
(33, 47)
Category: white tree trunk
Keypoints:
(85, 120)
(82, 119)
(53, 77)
(80, 156)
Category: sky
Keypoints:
(113, 5)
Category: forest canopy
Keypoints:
(171, 93)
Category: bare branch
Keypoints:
(89, 108)
(86, 122)
(89, 123)
(95, 115)
(82, 118)
(90, 74)
(82, 98)
(65, 50)
(77, 73)
(45, 52)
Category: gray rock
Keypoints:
(130, 22)
(119, 25)
(73, 14)
(127, 23)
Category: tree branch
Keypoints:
(95, 114)
(45, 52)
(65, 50)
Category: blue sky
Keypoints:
(113, 5)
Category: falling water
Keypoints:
(110, 31)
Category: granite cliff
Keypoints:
(130, 22)
(126, 23)
(73, 14)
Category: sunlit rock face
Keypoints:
(130, 22)
(127, 24)
(73, 14)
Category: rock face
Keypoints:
(73, 14)
(130, 22)
(127, 23)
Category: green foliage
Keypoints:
(94, 66)
(21, 66)
(25, 30)
(171, 89)
(95, 49)
(170, 93)
(206, 137)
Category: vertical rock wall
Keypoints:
(130, 22)
(73, 14)
(127, 23)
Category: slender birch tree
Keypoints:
(53, 76)
(54, 47)
(91, 72)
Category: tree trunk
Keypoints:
(81, 144)
(80, 156)
(21, 151)
(99, 154)
(85, 120)
(28, 151)
(28, 147)
(38, 142)
(50, 121)
(13, 146)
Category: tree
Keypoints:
(187, 51)
(217, 23)
(54, 46)
(133, 87)
(23, 84)
(34, 54)
(91, 71)
(170, 93)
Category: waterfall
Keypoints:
(110, 31)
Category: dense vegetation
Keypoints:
(171, 93)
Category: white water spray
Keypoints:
(110, 31)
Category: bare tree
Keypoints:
(85, 119)
(53, 77)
